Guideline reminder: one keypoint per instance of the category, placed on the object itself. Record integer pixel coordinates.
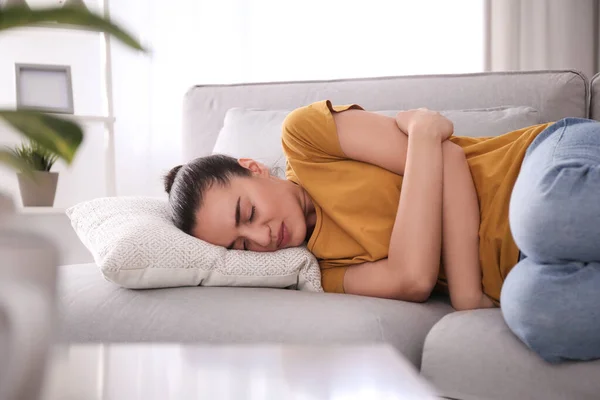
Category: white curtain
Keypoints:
(229, 41)
(542, 34)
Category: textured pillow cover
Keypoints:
(257, 133)
(136, 246)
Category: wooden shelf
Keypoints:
(87, 118)
(41, 210)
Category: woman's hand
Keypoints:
(425, 122)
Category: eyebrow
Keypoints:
(237, 220)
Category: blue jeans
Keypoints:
(551, 298)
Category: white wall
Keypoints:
(80, 50)
(132, 99)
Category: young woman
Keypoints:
(396, 208)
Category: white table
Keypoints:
(159, 371)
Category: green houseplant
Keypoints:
(38, 184)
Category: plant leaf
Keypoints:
(8, 158)
(57, 135)
(14, 17)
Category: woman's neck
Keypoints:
(310, 214)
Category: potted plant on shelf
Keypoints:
(38, 184)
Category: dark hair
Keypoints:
(186, 185)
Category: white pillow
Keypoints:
(478, 122)
(250, 133)
(256, 133)
(136, 245)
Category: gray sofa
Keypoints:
(465, 355)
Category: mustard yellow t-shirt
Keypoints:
(356, 203)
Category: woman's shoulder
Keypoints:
(305, 116)
(317, 112)
(312, 123)
(307, 131)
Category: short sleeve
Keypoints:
(309, 133)
(332, 279)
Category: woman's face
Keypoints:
(257, 213)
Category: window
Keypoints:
(275, 40)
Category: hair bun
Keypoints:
(169, 178)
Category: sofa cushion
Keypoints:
(473, 355)
(96, 310)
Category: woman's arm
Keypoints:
(377, 140)
(416, 240)
(460, 232)
(373, 139)
(411, 269)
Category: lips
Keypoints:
(283, 237)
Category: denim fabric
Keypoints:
(551, 298)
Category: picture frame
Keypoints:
(46, 88)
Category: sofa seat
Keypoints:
(95, 310)
(467, 353)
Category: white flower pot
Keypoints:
(39, 191)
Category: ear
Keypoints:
(255, 167)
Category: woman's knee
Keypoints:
(524, 312)
(533, 218)
(552, 218)
(550, 307)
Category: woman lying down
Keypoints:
(514, 219)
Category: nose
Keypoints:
(260, 238)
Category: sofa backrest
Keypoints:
(555, 94)
(595, 97)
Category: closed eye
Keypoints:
(252, 213)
